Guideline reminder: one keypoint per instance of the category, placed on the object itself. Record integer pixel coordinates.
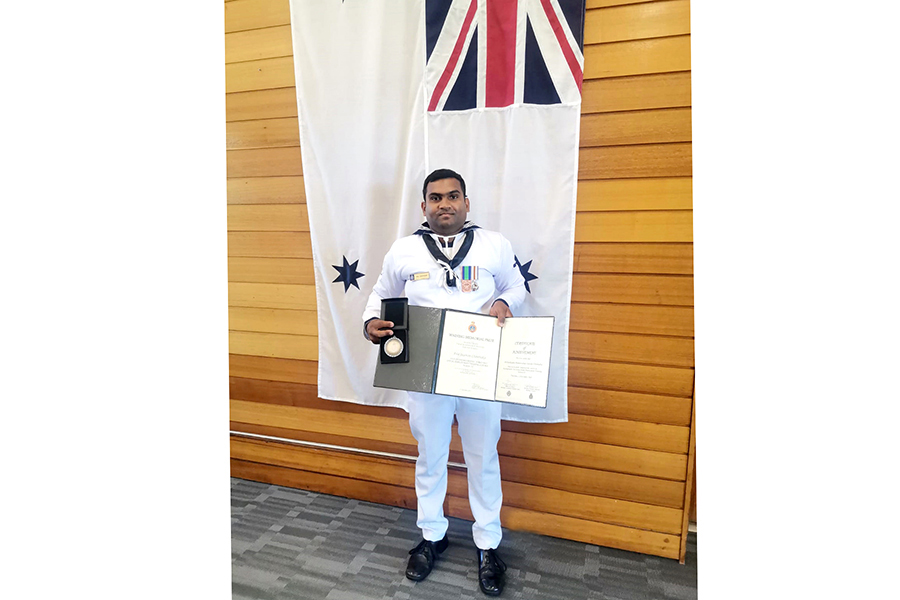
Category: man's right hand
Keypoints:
(377, 329)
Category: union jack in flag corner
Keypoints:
(494, 53)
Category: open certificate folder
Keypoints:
(478, 359)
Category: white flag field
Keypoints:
(390, 90)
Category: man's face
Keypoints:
(445, 208)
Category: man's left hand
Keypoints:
(501, 311)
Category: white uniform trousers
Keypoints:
(430, 419)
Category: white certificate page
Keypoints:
(467, 365)
(523, 372)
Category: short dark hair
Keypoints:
(439, 174)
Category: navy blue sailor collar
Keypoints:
(448, 265)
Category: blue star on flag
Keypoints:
(523, 269)
(348, 274)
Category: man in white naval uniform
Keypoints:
(428, 268)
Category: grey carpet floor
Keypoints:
(292, 544)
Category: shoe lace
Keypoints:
(495, 561)
(425, 547)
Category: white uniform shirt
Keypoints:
(410, 270)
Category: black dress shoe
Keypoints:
(421, 558)
(490, 572)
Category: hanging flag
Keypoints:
(388, 91)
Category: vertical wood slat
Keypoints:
(692, 518)
(689, 480)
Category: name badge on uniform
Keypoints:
(469, 279)
(419, 276)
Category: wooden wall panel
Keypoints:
(637, 21)
(645, 160)
(675, 290)
(241, 15)
(262, 133)
(617, 432)
(354, 425)
(632, 318)
(288, 394)
(271, 270)
(268, 217)
(261, 104)
(277, 345)
(635, 461)
(266, 190)
(635, 127)
(689, 503)
(580, 506)
(618, 473)
(381, 493)
(580, 480)
(658, 90)
(269, 244)
(272, 295)
(662, 193)
(629, 377)
(595, 520)
(272, 320)
(626, 538)
(589, 4)
(259, 75)
(399, 472)
(343, 464)
(331, 442)
(292, 382)
(637, 57)
(651, 408)
(629, 347)
(256, 44)
(269, 369)
(634, 226)
(593, 482)
(673, 259)
(263, 162)
(587, 481)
